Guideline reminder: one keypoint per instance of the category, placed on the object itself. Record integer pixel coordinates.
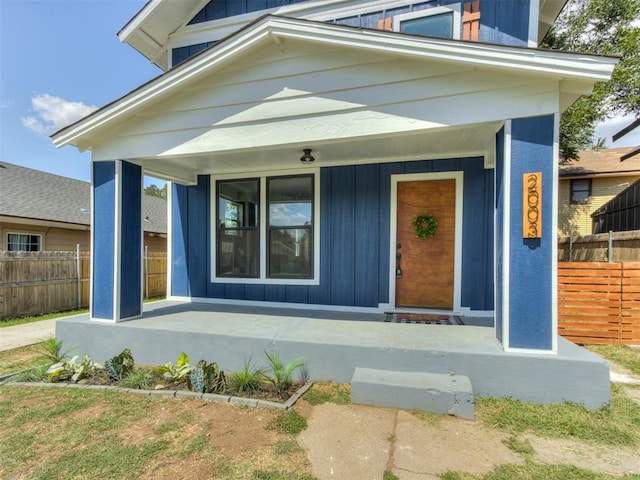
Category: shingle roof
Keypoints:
(602, 162)
(29, 193)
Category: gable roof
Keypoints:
(600, 163)
(38, 195)
(150, 29)
(576, 72)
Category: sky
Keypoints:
(61, 59)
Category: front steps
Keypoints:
(428, 392)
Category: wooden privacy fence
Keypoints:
(33, 283)
(599, 302)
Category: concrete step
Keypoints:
(428, 392)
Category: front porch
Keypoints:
(334, 343)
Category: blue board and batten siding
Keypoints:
(531, 260)
(354, 238)
(117, 195)
(104, 194)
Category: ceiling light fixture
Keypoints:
(307, 157)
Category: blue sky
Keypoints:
(61, 58)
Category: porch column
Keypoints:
(526, 252)
(116, 284)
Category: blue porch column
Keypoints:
(116, 285)
(526, 268)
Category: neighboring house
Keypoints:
(303, 138)
(621, 213)
(587, 184)
(42, 211)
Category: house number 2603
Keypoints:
(532, 205)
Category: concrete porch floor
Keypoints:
(334, 343)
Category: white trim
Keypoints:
(506, 225)
(142, 255)
(554, 231)
(458, 176)
(255, 303)
(534, 19)
(91, 240)
(429, 12)
(169, 237)
(262, 227)
(585, 69)
(467, 312)
(117, 241)
(529, 351)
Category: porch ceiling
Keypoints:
(474, 140)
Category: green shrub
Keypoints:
(72, 369)
(53, 350)
(120, 366)
(207, 378)
(248, 379)
(178, 373)
(280, 374)
(140, 378)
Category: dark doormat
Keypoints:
(425, 318)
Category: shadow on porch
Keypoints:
(335, 343)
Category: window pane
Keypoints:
(238, 203)
(238, 252)
(290, 252)
(18, 242)
(290, 201)
(580, 191)
(433, 25)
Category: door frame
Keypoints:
(458, 176)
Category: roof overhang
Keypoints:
(150, 29)
(576, 73)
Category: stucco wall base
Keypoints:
(333, 348)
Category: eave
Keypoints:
(576, 72)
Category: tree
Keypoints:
(154, 191)
(602, 27)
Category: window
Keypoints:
(266, 230)
(24, 242)
(581, 191)
(441, 22)
(290, 239)
(237, 237)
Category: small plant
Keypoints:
(72, 369)
(280, 374)
(248, 379)
(178, 373)
(389, 475)
(139, 378)
(120, 366)
(53, 350)
(207, 378)
(36, 374)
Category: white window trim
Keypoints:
(31, 234)
(263, 279)
(428, 12)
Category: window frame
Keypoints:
(40, 243)
(571, 190)
(263, 229)
(429, 12)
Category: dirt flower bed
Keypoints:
(274, 383)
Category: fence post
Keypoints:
(146, 271)
(610, 246)
(79, 274)
(571, 249)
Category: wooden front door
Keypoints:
(425, 277)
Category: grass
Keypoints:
(338, 393)
(10, 322)
(22, 358)
(289, 422)
(616, 424)
(621, 354)
(535, 471)
(389, 475)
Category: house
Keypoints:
(40, 211)
(620, 214)
(345, 155)
(586, 185)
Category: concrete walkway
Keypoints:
(26, 334)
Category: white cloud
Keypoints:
(610, 127)
(53, 113)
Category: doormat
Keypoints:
(425, 318)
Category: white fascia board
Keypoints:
(585, 68)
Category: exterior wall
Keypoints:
(501, 22)
(575, 220)
(354, 238)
